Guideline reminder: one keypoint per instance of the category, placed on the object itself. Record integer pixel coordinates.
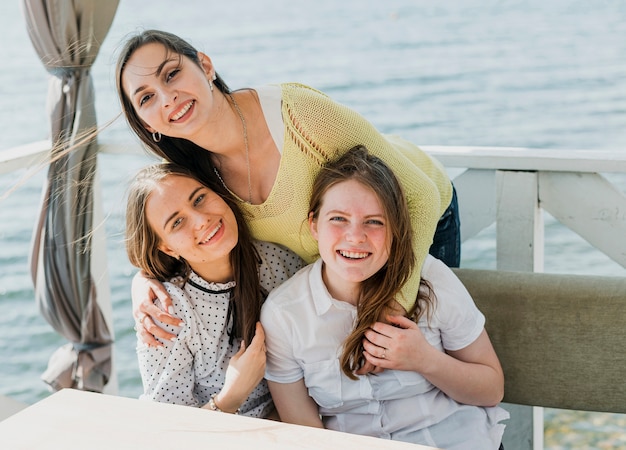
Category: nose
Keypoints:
(199, 221)
(168, 97)
(356, 233)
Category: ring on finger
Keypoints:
(383, 355)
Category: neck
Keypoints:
(236, 166)
(344, 291)
(220, 132)
(215, 271)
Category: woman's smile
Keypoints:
(213, 233)
(193, 223)
(353, 254)
(182, 111)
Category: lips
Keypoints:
(182, 111)
(353, 255)
(217, 228)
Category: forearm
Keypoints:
(294, 405)
(466, 382)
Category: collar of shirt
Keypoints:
(321, 297)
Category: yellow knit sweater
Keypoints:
(318, 130)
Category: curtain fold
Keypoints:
(66, 35)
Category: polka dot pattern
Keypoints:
(192, 367)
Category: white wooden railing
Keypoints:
(510, 187)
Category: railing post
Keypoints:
(519, 247)
(100, 274)
(519, 223)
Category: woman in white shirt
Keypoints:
(442, 378)
(194, 239)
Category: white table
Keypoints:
(72, 419)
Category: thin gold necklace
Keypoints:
(245, 142)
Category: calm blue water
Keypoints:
(501, 73)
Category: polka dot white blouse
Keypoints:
(190, 369)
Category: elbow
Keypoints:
(497, 398)
(497, 394)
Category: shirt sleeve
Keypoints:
(457, 316)
(281, 366)
(167, 372)
(278, 264)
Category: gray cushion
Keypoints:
(561, 339)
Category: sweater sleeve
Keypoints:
(326, 129)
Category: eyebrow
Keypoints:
(157, 73)
(175, 213)
(344, 213)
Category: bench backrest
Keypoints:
(561, 339)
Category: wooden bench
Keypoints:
(561, 339)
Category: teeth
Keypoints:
(182, 112)
(353, 255)
(219, 225)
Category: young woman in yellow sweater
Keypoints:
(266, 146)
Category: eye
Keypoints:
(144, 99)
(177, 222)
(337, 219)
(172, 74)
(198, 199)
(375, 222)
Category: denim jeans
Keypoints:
(446, 244)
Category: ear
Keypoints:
(146, 126)
(207, 65)
(313, 225)
(168, 251)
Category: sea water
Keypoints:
(548, 75)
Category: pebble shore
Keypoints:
(565, 430)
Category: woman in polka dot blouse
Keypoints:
(190, 235)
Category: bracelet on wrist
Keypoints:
(213, 406)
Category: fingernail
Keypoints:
(170, 310)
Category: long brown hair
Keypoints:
(177, 150)
(142, 246)
(378, 293)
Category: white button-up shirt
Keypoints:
(305, 329)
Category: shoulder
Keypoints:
(296, 89)
(176, 288)
(449, 291)
(181, 301)
(296, 95)
(268, 92)
(277, 263)
(453, 303)
(436, 270)
(275, 255)
(292, 292)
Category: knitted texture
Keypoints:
(319, 130)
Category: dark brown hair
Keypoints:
(177, 150)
